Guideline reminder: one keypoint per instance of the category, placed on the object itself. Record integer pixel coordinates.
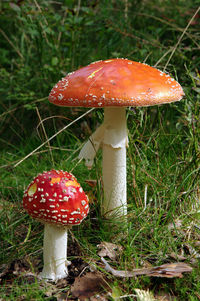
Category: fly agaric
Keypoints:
(56, 199)
(114, 84)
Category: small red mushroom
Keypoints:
(56, 199)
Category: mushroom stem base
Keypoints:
(114, 181)
(54, 253)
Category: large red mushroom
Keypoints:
(56, 199)
(114, 84)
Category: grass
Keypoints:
(41, 41)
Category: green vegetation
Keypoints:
(40, 42)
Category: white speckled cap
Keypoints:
(116, 82)
(55, 197)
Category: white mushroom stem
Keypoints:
(112, 136)
(114, 162)
(54, 253)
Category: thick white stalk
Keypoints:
(54, 253)
(114, 162)
(112, 137)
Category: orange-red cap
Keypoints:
(116, 82)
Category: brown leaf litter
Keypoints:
(88, 285)
(110, 250)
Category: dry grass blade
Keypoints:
(45, 134)
(179, 40)
(45, 20)
(19, 107)
(60, 131)
(11, 43)
(193, 37)
(128, 34)
(51, 117)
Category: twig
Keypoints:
(168, 270)
(116, 273)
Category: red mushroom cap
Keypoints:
(116, 82)
(56, 197)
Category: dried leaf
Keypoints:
(88, 285)
(91, 183)
(108, 249)
(168, 270)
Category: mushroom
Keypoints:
(114, 84)
(56, 199)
